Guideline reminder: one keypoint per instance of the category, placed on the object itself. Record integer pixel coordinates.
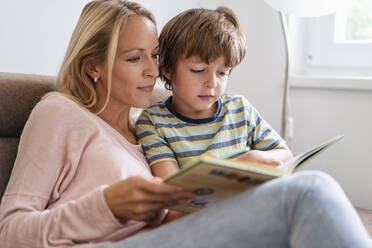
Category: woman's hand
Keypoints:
(143, 199)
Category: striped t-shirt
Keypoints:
(235, 129)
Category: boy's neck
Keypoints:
(195, 117)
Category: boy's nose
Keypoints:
(211, 81)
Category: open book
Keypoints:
(214, 179)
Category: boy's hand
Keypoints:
(272, 157)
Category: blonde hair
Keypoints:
(94, 40)
(202, 32)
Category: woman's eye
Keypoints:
(196, 71)
(134, 59)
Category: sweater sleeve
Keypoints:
(50, 147)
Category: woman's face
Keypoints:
(135, 66)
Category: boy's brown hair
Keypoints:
(206, 33)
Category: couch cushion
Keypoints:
(8, 151)
(18, 95)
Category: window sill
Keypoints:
(330, 82)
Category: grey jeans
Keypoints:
(307, 209)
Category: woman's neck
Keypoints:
(118, 119)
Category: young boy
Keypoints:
(198, 50)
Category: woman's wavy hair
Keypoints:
(94, 40)
(206, 33)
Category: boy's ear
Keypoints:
(166, 73)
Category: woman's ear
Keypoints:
(166, 73)
(92, 71)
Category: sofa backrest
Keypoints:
(19, 93)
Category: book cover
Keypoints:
(214, 179)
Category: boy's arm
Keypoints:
(163, 169)
(273, 157)
(154, 145)
(266, 145)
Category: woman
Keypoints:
(78, 141)
(80, 178)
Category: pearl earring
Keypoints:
(95, 79)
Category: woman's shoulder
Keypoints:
(58, 108)
(56, 117)
(59, 104)
(58, 101)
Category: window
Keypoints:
(354, 22)
(340, 44)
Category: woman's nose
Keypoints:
(152, 68)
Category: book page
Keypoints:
(214, 179)
(305, 156)
(211, 184)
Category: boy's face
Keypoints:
(197, 86)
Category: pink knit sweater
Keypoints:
(54, 198)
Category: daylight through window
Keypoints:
(354, 23)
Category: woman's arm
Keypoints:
(46, 163)
(33, 212)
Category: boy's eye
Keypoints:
(223, 73)
(155, 56)
(133, 59)
(196, 71)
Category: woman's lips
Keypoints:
(147, 88)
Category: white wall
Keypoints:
(321, 113)
(330, 105)
(34, 36)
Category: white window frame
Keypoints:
(318, 49)
(327, 51)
